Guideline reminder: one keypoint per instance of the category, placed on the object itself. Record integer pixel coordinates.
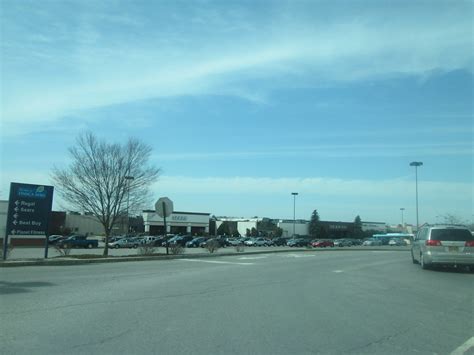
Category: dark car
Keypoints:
(298, 242)
(180, 240)
(196, 242)
(77, 241)
(322, 244)
(220, 241)
(279, 241)
(161, 240)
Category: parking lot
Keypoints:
(361, 302)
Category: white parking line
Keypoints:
(464, 347)
(252, 257)
(298, 255)
(215, 262)
(338, 271)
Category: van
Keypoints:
(443, 245)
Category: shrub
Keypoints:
(64, 250)
(146, 249)
(10, 250)
(176, 249)
(212, 246)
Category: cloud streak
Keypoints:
(94, 69)
(332, 151)
(332, 187)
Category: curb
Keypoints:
(72, 261)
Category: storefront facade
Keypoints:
(191, 223)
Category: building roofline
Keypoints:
(181, 212)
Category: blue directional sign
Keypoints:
(29, 209)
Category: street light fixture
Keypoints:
(416, 164)
(294, 211)
(128, 178)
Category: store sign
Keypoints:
(179, 218)
(29, 209)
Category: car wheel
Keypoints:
(413, 259)
(116, 246)
(135, 246)
(424, 266)
(89, 246)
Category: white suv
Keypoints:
(443, 245)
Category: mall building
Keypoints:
(192, 223)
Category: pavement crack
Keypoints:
(106, 339)
(380, 340)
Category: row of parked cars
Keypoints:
(189, 241)
(130, 241)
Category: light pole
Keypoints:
(416, 164)
(294, 211)
(402, 209)
(128, 178)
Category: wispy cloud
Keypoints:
(93, 65)
(331, 151)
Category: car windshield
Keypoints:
(451, 234)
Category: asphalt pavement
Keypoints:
(24, 253)
(360, 302)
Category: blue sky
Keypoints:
(245, 102)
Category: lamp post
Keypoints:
(416, 164)
(294, 211)
(402, 209)
(128, 178)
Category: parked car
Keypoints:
(250, 242)
(396, 242)
(125, 243)
(150, 239)
(161, 240)
(280, 241)
(298, 242)
(261, 242)
(77, 241)
(234, 241)
(180, 240)
(322, 244)
(53, 239)
(195, 242)
(118, 237)
(372, 242)
(270, 242)
(443, 245)
(139, 240)
(342, 243)
(223, 241)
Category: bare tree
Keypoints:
(98, 179)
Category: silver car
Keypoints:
(443, 245)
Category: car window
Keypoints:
(451, 235)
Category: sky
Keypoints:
(245, 102)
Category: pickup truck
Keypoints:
(78, 241)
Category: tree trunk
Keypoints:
(106, 247)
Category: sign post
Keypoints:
(29, 210)
(164, 208)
